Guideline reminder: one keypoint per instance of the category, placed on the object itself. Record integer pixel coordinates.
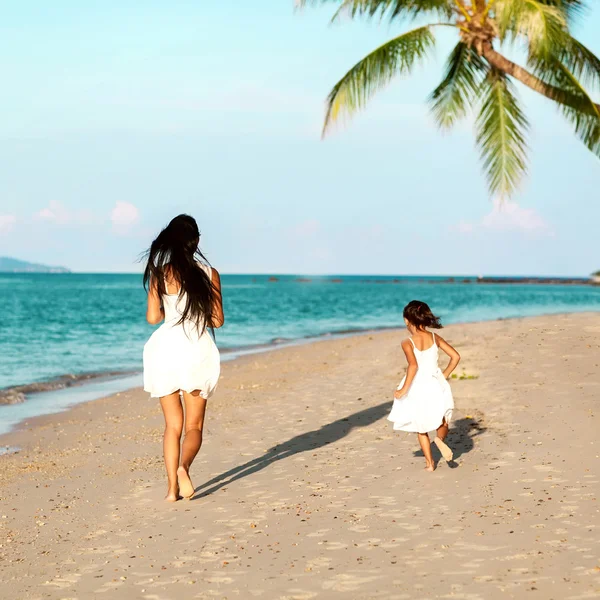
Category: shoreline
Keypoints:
(18, 393)
(104, 387)
(95, 386)
(304, 490)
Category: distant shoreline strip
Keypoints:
(378, 279)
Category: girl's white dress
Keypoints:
(177, 357)
(429, 399)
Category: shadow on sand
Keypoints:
(332, 432)
(460, 438)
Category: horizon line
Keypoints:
(319, 275)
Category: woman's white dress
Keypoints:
(177, 356)
(429, 399)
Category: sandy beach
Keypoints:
(304, 491)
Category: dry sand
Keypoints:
(305, 491)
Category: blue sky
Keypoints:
(120, 115)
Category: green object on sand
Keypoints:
(463, 376)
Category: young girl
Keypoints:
(181, 357)
(423, 400)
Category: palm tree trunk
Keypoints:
(555, 94)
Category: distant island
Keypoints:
(592, 280)
(13, 265)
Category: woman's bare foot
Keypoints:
(186, 487)
(430, 468)
(172, 495)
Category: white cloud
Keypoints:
(54, 212)
(7, 222)
(124, 216)
(58, 213)
(509, 216)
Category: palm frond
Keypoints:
(542, 26)
(581, 61)
(501, 127)
(375, 71)
(587, 128)
(572, 9)
(580, 111)
(464, 71)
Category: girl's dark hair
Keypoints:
(419, 314)
(175, 252)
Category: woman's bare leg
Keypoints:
(195, 409)
(173, 413)
(426, 447)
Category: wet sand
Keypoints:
(304, 491)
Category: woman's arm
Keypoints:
(217, 317)
(154, 312)
(451, 352)
(411, 371)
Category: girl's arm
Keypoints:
(154, 312)
(451, 352)
(217, 317)
(411, 370)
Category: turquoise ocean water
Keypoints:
(59, 324)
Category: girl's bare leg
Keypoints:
(195, 409)
(173, 413)
(426, 447)
(442, 430)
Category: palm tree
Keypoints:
(478, 75)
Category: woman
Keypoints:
(181, 357)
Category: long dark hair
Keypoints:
(419, 314)
(175, 251)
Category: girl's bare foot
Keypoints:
(445, 450)
(172, 495)
(430, 468)
(186, 486)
